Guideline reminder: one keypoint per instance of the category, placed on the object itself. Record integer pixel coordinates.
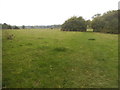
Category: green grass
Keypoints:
(57, 59)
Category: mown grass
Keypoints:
(57, 59)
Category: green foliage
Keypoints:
(15, 27)
(6, 26)
(74, 24)
(88, 22)
(97, 24)
(107, 23)
(23, 27)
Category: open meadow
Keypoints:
(50, 58)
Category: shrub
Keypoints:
(74, 24)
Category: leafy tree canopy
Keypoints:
(74, 24)
(108, 22)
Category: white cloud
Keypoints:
(48, 12)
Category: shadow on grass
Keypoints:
(60, 49)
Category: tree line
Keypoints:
(43, 27)
(106, 23)
(7, 26)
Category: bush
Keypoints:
(74, 24)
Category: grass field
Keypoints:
(56, 59)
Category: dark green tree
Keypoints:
(15, 27)
(9, 27)
(23, 27)
(88, 22)
(107, 23)
(4, 26)
(74, 24)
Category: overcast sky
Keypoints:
(49, 12)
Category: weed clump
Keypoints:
(10, 37)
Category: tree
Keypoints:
(6, 26)
(9, 27)
(97, 24)
(96, 15)
(88, 22)
(15, 27)
(74, 24)
(23, 27)
(107, 23)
